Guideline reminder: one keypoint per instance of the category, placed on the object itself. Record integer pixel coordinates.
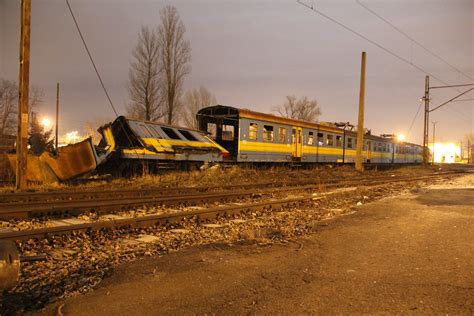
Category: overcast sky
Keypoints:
(253, 53)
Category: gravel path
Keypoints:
(409, 254)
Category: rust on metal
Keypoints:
(70, 161)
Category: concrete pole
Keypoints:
(57, 117)
(360, 124)
(24, 78)
(426, 122)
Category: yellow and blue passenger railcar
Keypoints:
(258, 137)
(129, 145)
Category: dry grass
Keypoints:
(223, 176)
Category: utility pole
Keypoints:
(57, 117)
(434, 131)
(426, 98)
(360, 124)
(24, 78)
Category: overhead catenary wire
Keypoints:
(388, 51)
(100, 78)
(378, 15)
(91, 59)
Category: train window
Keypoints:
(349, 142)
(330, 140)
(212, 130)
(170, 132)
(282, 135)
(253, 128)
(145, 131)
(338, 141)
(155, 131)
(188, 135)
(320, 139)
(268, 133)
(227, 132)
(310, 138)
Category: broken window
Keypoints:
(282, 135)
(310, 138)
(170, 132)
(268, 133)
(227, 132)
(188, 135)
(212, 130)
(253, 128)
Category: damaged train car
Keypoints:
(127, 147)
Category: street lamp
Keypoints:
(46, 122)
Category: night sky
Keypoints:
(253, 53)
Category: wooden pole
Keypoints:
(57, 117)
(22, 134)
(360, 124)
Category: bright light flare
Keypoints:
(46, 122)
(72, 137)
(401, 137)
(445, 152)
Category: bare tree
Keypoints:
(175, 59)
(300, 109)
(144, 78)
(193, 101)
(8, 107)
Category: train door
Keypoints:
(297, 138)
(369, 151)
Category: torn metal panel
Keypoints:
(70, 162)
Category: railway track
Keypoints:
(69, 226)
(75, 203)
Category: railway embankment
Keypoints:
(77, 261)
(406, 254)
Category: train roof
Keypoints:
(230, 112)
(233, 112)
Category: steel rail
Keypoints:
(43, 196)
(167, 218)
(112, 204)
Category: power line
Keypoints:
(91, 59)
(101, 82)
(419, 68)
(371, 41)
(414, 118)
(423, 47)
(412, 39)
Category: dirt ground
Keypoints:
(409, 254)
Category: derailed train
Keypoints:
(226, 134)
(235, 135)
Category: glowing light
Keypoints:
(72, 137)
(445, 152)
(401, 137)
(46, 122)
